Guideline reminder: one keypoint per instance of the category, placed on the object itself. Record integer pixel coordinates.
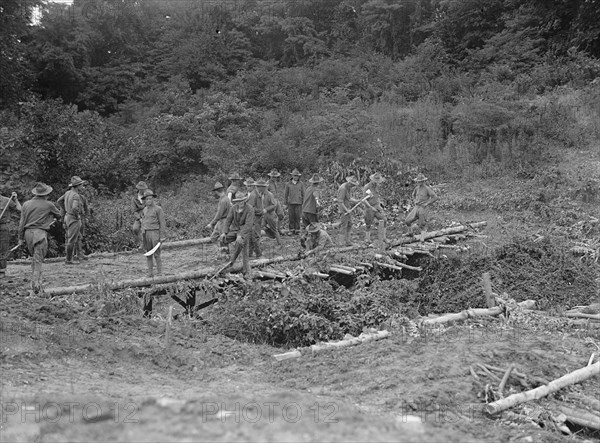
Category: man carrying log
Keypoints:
(238, 230)
(345, 202)
(37, 216)
(234, 186)
(216, 224)
(423, 196)
(6, 203)
(137, 203)
(293, 198)
(71, 206)
(318, 239)
(373, 209)
(274, 189)
(256, 200)
(154, 228)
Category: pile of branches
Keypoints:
(541, 270)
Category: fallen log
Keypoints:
(441, 232)
(566, 380)
(362, 338)
(581, 417)
(288, 355)
(340, 270)
(348, 268)
(582, 315)
(412, 268)
(470, 313)
(588, 401)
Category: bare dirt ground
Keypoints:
(75, 368)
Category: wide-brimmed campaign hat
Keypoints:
(249, 182)
(148, 193)
(76, 181)
(41, 189)
(313, 227)
(235, 176)
(377, 178)
(261, 182)
(316, 178)
(240, 196)
(141, 186)
(421, 178)
(296, 172)
(352, 179)
(274, 173)
(217, 186)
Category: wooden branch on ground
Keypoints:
(340, 270)
(441, 232)
(362, 338)
(470, 313)
(385, 265)
(581, 417)
(588, 401)
(288, 355)
(566, 380)
(505, 379)
(581, 315)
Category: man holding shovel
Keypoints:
(11, 202)
(153, 231)
(238, 230)
(345, 202)
(423, 196)
(37, 216)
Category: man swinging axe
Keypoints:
(11, 202)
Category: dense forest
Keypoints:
(169, 91)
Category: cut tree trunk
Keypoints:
(566, 380)
(581, 315)
(441, 232)
(581, 417)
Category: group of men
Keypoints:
(245, 209)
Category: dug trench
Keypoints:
(90, 367)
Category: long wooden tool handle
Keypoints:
(6, 206)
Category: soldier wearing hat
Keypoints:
(345, 202)
(249, 183)
(270, 218)
(423, 196)
(37, 216)
(238, 229)
(6, 203)
(154, 228)
(318, 239)
(138, 206)
(256, 200)
(234, 186)
(273, 188)
(311, 204)
(216, 224)
(293, 198)
(72, 206)
(373, 209)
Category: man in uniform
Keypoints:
(154, 228)
(270, 203)
(423, 196)
(238, 229)
(255, 199)
(345, 203)
(138, 205)
(36, 217)
(293, 198)
(318, 239)
(373, 209)
(234, 187)
(72, 207)
(274, 189)
(6, 204)
(310, 206)
(216, 224)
